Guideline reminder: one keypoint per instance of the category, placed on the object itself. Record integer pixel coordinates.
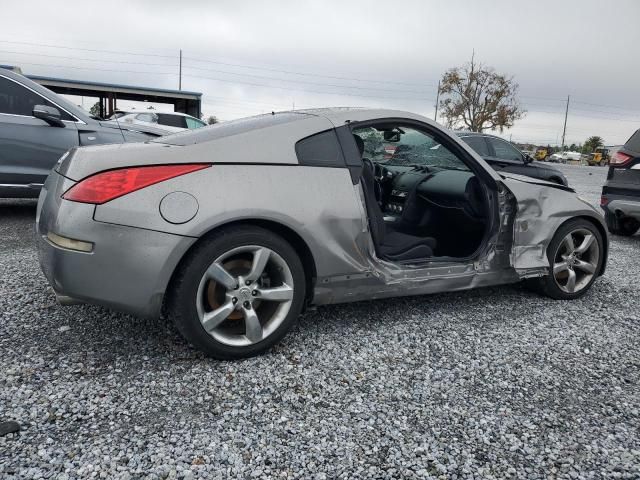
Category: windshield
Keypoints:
(404, 146)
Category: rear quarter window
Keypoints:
(320, 150)
(171, 120)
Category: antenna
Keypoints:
(118, 123)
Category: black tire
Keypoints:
(547, 285)
(182, 297)
(623, 226)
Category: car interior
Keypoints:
(422, 200)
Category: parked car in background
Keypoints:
(621, 192)
(555, 158)
(505, 157)
(170, 121)
(571, 157)
(234, 228)
(38, 126)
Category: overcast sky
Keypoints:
(251, 57)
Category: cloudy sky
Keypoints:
(249, 57)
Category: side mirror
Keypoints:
(50, 115)
(528, 158)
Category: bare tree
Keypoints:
(478, 98)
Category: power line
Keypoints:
(88, 49)
(300, 81)
(307, 90)
(289, 72)
(262, 85)
(98, 69)
(186, 66)
(120, 52)
(606, 106)
(88, 59)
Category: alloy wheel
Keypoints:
(576, 260)
(245, 295)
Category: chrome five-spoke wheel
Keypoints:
(245, 295)
(576, 260)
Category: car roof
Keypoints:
(465, 133)
(341, 115)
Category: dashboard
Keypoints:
(442, 187)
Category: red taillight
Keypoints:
(603, 201)
(105, 186)
(619, 159)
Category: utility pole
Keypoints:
(564, 130)
(180, 72)
(435, 117)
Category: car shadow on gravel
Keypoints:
(98, 334)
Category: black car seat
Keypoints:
(390, 244)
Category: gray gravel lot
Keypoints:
(492, 383)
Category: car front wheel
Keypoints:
(238, 292)
(575, 258)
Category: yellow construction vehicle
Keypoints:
(541, 154)
(599, 157)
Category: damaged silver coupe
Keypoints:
(231, 230)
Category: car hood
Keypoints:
(535, 181)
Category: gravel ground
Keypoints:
(492, 383)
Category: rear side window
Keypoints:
(171, 120)
(147, 117)
(633, 143)
(194, 123)
(18, 100)
(320, 150)
(504, 150)
(478, 144)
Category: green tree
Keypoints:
(95, 109)
(592, 143)
(478, 98)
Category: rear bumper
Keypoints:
(128, 269)
(622, 206)
(621, 193)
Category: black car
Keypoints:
(621, 192)
(504, 156)
(37, 127)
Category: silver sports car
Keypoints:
(231, 230)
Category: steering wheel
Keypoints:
(377, 188)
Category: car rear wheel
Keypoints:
(624, 226)
(238, 292)
(575, 260)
